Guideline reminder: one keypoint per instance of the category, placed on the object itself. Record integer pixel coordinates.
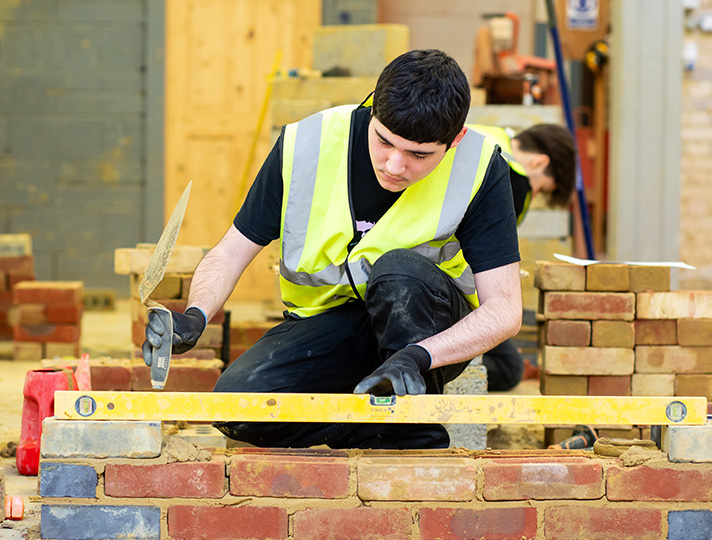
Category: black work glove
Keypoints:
(401, 373)
(187, 329)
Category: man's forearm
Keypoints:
(217, 274)
(498, 318)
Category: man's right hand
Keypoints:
(187, 329)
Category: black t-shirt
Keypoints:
(520, 190)
(487, 232)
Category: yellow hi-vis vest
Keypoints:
(500, 136)
(317, 272)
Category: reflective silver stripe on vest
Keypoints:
(438, 254)
(331, 275)
(458, 194)
(466, 282)
(306, 158)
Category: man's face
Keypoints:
(398, 162)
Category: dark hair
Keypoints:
(556, 142)
(422, 96)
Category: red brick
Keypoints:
(62, 333)
(6, 299)
(656, 332)
(6, 332)
(609, 386)
(184, 376)
(589, 305)
(694, 385)
(49, 292)
(111, 378)
(188, 480)
(416, 479)
(694, 332)
(24, 265)
(212, 337)
(607, 277)
(485, 523)
(648, 278)
(613, 334)
(350, 523)
(64, 313)
(602, 523)
(563, 478)
(14, 279)
(673, 359)
(254, 330)
(289, 476)
(668, 483)
(565, 333)
(219, 522)
(3, 282)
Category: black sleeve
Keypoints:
(488, 232)
(259, 217)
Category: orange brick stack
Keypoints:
(16, 265)
(47, 319)
(618, 330)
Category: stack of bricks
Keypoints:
(47, 319)
(111, 479)
(198, 369)
(16, 265)
(618, 330)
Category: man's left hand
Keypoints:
(402, 373)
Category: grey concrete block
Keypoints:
(545, 224)
(473, 381)
(100, 439)
(65, 522)
(67, 480)
(76, 137)
(685, 444)
(93, 11)
(689, 525)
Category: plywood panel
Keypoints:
(219, 54)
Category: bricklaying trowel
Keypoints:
(161, 359)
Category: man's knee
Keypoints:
(400, 262)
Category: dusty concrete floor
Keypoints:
(109, 334)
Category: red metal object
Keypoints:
(40, 386)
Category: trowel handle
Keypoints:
(161, 360)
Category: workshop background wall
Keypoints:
(80, 155)
(696, 159)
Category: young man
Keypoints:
(542, 159)
(389, 215)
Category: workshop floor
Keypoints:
(108, 333)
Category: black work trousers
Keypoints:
(408, 298)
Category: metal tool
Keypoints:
(426, 409)
(161, 358)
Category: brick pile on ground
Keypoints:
(47, 319)
(111, 479)
(16, 264)
(618, 330)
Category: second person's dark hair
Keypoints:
(556, 142)
(422, 96)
